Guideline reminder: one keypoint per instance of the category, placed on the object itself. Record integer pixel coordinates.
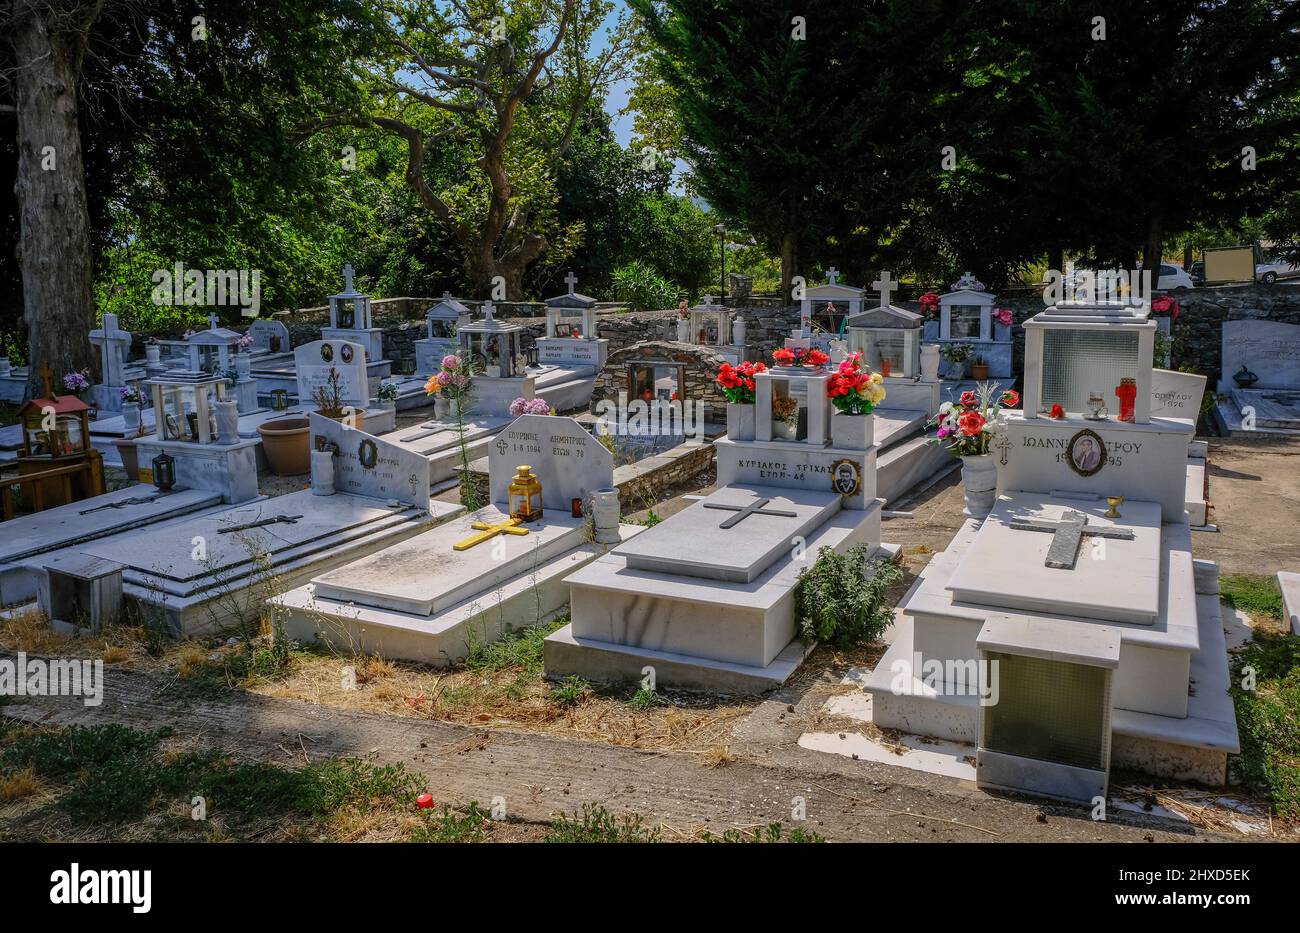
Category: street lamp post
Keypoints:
(721, 231)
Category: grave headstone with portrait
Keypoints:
(1078, 589)
(317, 361)
(705, 597)
(571, 338)
(1260, 376)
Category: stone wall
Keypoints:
(700, 366)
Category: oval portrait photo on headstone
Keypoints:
(368, 454)
(1086, 452)
(345, 353)
(846, 478)
(327, 352)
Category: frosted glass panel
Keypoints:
(965, 322)
(1049, 710)
(886, 345)
(1078, 362)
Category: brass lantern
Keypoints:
(525, 496)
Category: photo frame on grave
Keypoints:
(368, 454)
(327, 352)
(1085, 452)
(846, 477)
(345, 353)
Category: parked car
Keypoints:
(1270, 272)
(1172, 276)
(1197, 271)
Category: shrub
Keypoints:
(840, 599)
(641, 288)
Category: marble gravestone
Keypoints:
(1176, 395)
(565, 457)
(371, 466)
(313, 361)
(1269, 349)
(269, 336)
(114, 345)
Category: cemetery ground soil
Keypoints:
(689, 765)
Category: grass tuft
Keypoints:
(596, 824)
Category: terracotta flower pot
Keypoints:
(979, 371)
(287, 445)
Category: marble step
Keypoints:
(905, 465)
(1290, 584)
(1195, 493)
(533, 595)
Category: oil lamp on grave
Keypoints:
(524, 496)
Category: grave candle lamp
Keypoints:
(524, 496)
(164, 471)
(1126, 392)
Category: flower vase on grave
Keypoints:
(605, 514)
(929, 362)
(683, 330)
(441, 407)
(852, 432)
(738, 332)
(131, 418)
(740, 421)
(979, 476)
(228, 421)
(322, 472)
(244, 365)
(1126, 392)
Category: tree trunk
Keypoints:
(1153, 253)
(54, 238)
(789, 256)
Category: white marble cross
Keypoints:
(213, 321)
(833, 275)
(708, 300)
(487, 310)
(571, 280)
(885, 285)
(113, 344)
(347, 277)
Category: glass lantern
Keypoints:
(524, 496)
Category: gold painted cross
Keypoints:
(507, 527)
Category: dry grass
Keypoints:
(719, 756)
(28, 629)
(19, 785)
(508, 698)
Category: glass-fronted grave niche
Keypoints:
(1078, 352)
(185, 406)
(889, 340)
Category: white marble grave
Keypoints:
(315, 361)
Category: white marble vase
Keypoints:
(605, 514)
(979, 476)
(322, 472)
(852, 432)
(740, 421)
(131, 418)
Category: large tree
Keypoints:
(49, 39)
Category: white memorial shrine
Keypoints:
(1071, 630)
(350, 320)
(888, 337)
(481, 574)
(705, 597)
(715, 325)
(441, 323)
(212, 350)
(966, 317)
(571, 337)
(847, 298)
(495, 349)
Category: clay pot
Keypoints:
(979, 371)
(287, 445)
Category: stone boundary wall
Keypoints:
(1196, 333)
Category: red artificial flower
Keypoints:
(969, 399)
(1010, 398)
(817, 358)
(1057, 411)
(783, 356)
(971, 423)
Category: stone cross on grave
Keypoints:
(213, 321)
(347, 277)
(1067, 536)
(833, 275)
(113, 344)
(488, 531)
(885, 285)
(571, 280)
(743, 512)
(487, 310)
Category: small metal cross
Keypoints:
(507, 527)
(260, 523)
(743, 512)
(1067, 536)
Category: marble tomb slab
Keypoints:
(693, 542)
(1269, 349)
(1113, 579)
(424, 575)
